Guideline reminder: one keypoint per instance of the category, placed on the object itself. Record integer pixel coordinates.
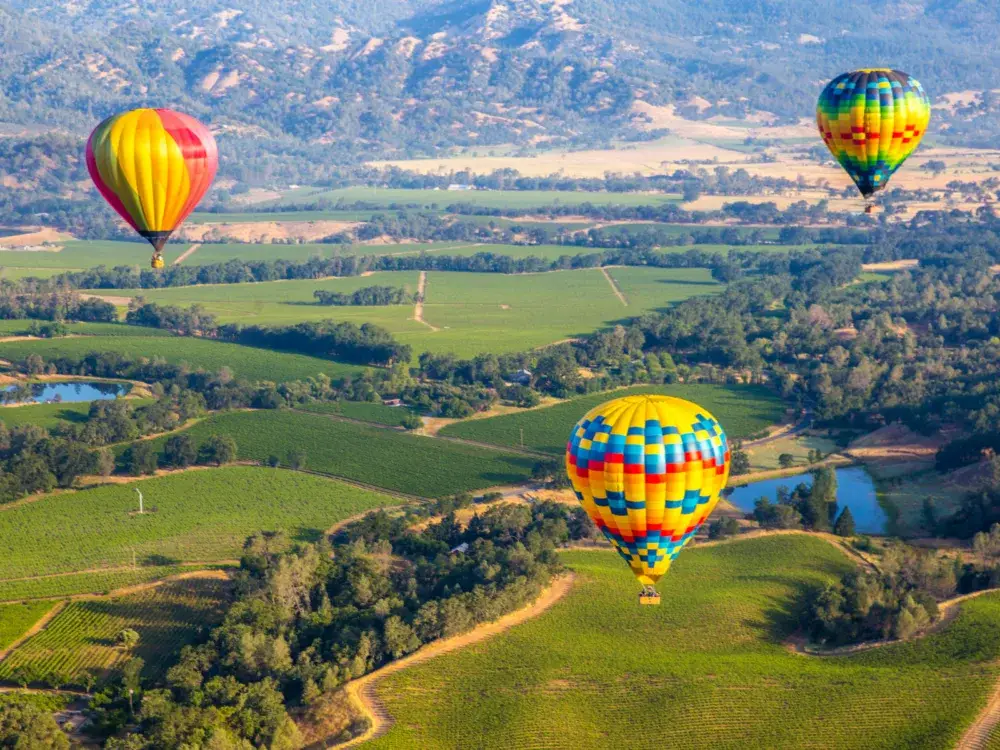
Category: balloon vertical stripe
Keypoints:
(153, 166)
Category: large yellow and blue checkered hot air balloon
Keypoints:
(872, 120)
(648, 470)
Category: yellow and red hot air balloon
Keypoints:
(648, 470)
(153, 166)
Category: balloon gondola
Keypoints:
(648, 470)
(872, 120)
(153, 166)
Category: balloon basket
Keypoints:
(649, 597)
(869, 208)
(156, 262)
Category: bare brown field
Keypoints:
(264, 231)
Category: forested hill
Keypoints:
(365, 78)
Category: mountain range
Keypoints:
(413, 77)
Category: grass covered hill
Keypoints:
(707, 669)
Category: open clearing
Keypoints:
(597, 671)
(195, 516)
(743, 411)
(247, 362)
(393, 460)
(80, 640)
(765, 456)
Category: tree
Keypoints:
(412, 421)
(218, 449)
(845, 523)
(273, 461)
(723, 527)
(127, 639)
(180, 451)
(141, 459)
(104, 462)
(786, 460)
(23, 725)
(740, 462)
(297, 458)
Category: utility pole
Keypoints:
(140, 499)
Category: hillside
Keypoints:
(414, 77)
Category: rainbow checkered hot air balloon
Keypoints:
(152, 166)
(872, 120)
(648, 470)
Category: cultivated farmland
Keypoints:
(195, 516)
(80, 640)
(465, 313)
(742, 410)
(707, 669)
(391, 416)
(247, 362)
(76, 255)
(70, 584)
(385, 458)
(17, 619)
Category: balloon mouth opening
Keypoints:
(157, 239)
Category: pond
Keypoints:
(43, 393)
(855, 490)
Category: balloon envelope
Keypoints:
(872, 120)
(152, 166)
(648, 470)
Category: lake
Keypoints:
(855, 490)
(42, 393)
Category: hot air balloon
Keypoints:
(648, 470)
(872, 120)
(152, 166)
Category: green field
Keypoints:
(289, 302)
(392, 416)
(499, 313)
(21, 328)
(247, 362)
(385, 458)
(439, 199)
(71, 584)
(80, 640)
(473, 312)
(48, 416)
(742, 410)
(195, 516)
(251, 252)
(17, 619)
(76, 255)
(707, 669)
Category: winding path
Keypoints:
(363, 692)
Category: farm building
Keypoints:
(522, 377)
